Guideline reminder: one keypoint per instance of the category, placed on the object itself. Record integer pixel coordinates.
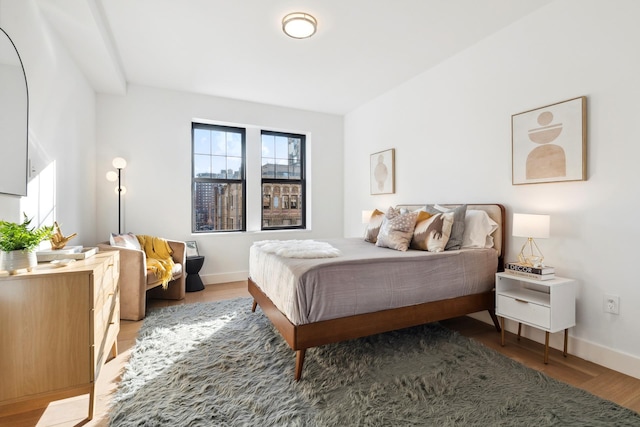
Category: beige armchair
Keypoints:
(137, 283)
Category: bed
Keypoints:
(369, 290)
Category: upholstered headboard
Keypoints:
(495, 211)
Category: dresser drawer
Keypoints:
(106, 328)
(105, 281)
(104, 289)
(104, 316)
(523, 311)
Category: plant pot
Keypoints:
(15, 260)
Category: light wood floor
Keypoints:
(603, 382)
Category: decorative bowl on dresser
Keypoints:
(58, 326)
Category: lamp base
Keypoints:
(531, 259)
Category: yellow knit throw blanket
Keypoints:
(159, 259)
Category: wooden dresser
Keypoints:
(57, 328)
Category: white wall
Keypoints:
(451, 128)
(61, 128)
(151, 129)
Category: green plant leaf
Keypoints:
(15, 236)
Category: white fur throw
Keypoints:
(298, 248)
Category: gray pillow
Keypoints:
(457, 230)
(396, 230)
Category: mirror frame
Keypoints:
(22, 189)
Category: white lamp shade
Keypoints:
(119, 163)
(366, 216)
(123, 190)
(112, 176)
(299, 25)
(529, 225)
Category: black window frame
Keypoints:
(282, 182)
(242, 180)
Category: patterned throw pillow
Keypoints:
(432, 234)
(373, 228)
(128, 240)
(397, 229)
(457, 229)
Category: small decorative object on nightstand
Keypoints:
(549, 305)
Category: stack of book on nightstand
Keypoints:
(538, 273)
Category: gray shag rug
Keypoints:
(219, 364)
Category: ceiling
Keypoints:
(236, 48)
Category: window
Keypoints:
(283, 180)
(218, 180)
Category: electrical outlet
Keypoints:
(611, 304)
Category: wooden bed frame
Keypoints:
(302, 337)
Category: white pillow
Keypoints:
(478, 227)
(128, 240)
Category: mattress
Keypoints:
(366, 278)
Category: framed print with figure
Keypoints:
(549, 144)
(382, 179)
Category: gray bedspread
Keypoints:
(367, 278)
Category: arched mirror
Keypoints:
(14, 116)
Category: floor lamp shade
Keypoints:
(119, 163)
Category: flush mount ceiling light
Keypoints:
(299, 25)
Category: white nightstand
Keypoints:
(549, 305)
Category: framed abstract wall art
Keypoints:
(382, 179)
(549, 144)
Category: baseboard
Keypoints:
(587, 350)
(212, 279)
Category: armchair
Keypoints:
(137, 283)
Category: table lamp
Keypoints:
(366, 216)
(531, 226)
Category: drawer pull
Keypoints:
(521, 300)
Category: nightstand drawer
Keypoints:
(523, 311)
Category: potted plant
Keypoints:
(18, 243)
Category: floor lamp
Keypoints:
(119, 163)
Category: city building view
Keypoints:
(218, 206)
(281, 205)
(218, 197)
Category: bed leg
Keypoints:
(253, 307)
(299, 363)
(492, 313)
